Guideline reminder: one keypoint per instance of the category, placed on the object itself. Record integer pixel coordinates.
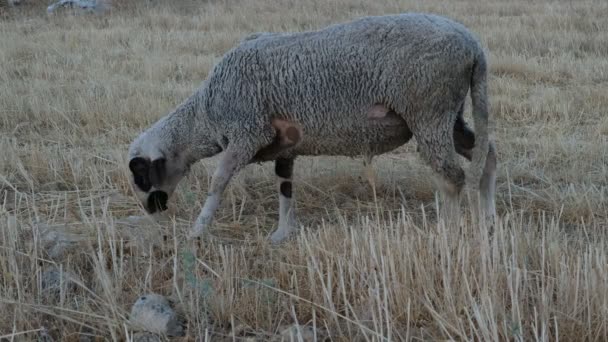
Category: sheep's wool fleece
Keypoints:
(418, 65)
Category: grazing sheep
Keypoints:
(360, 88)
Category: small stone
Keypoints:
(54, 280)
(57, 239)
(92, 6)
(294, 332)
(153, 313)
(145, 337)
(44, 336)
(139, 234)
(87, 334)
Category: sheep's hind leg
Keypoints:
(236, 157)
(287, 223)
(464, 139)
(487, 185)
(369, 173)
(436, 146)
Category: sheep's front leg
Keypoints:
(234, 159)
(284, 171)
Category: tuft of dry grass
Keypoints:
(76, 89)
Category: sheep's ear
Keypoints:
(140, 168)
(158, 171)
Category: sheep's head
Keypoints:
(154, 174)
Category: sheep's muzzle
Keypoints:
(157, 201)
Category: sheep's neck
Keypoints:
(187, 131)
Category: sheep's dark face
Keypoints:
(154, 181)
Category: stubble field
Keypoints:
(76, 89)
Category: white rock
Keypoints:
(57, 239)
(294, 332)
(153, 313)
(86, 5)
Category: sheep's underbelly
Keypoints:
(372, 136)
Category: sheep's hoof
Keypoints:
(279, 235)
(491, 222)
(193, 235)
(197, 231)
(284, 230)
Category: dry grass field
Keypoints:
(76, 89)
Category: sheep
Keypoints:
(359, 88)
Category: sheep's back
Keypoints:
(329, 78)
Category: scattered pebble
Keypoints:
(142, 231)
(145, 337)
(294, 332)
(54, 280)
(57, 239)
(92, 6)
(153, 313)
(44, 336)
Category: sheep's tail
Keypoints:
(479, 97)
